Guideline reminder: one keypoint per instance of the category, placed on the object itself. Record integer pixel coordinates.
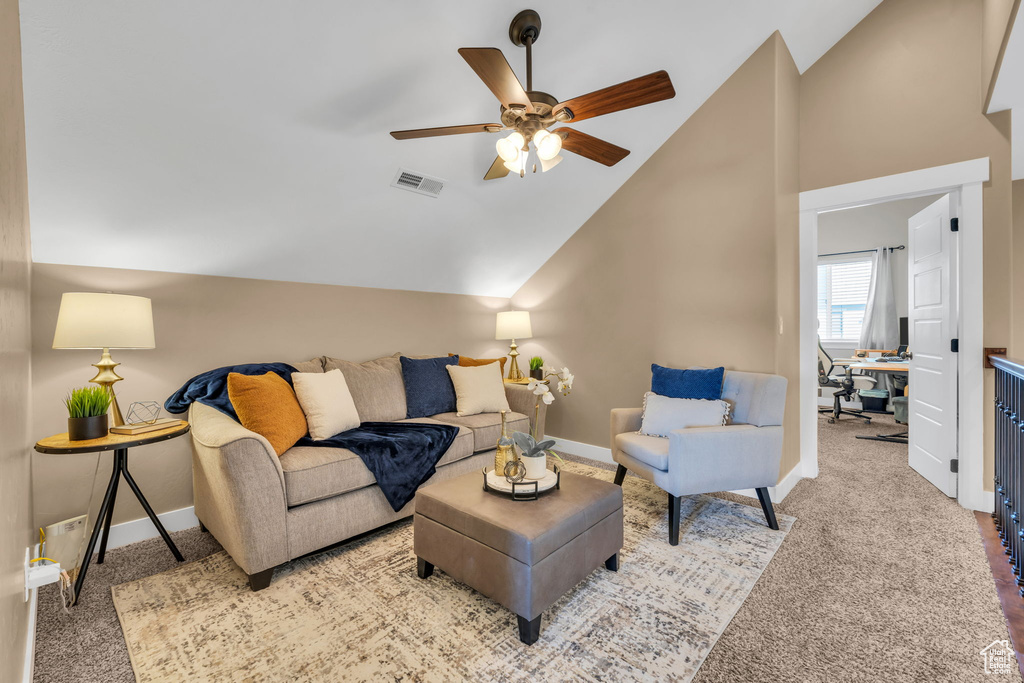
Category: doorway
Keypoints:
(962, 437)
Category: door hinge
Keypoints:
(954, 224)
(954, 345)
(954, 465)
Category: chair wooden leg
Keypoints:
(673, 519)
(766, 505)
(620, 475)
(260, 580)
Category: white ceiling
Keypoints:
(194, 137)
(1009, 93)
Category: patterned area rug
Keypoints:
(359, 612)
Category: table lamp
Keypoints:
(92, 320)
(513, 325)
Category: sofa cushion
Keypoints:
(467, 362)
(478, 389)
(428, 388)
(376, 387)
(486, 426)
(313, 365)
(314, 473)
(651, 450)
(327, 403)
(266, 404)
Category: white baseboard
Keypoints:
(586, 450)
(142, 529)
(30, 637)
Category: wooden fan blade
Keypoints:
(497, 170)
(590, 147)
(446, 130)
(493, 69)
(635, 93)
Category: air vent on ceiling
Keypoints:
(417, 182)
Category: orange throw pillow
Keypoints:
(266, 404)
(467, 362)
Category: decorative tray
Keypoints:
(528, 489)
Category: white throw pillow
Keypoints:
(663, 414)
(478, 389)
(327, 403)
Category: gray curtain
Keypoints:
(881, 328)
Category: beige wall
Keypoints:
(691, 262)
(997, 20)
(203, 322)
(904, 91)
(15, 264)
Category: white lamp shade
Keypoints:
(93, 320)
(513, 325)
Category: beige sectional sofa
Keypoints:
(266, 510)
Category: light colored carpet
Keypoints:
(359, 612)
(883, 579)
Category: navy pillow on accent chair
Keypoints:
(674, 383)
(428, 387)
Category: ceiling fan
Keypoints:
(529, 113)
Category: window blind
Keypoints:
(842, 298)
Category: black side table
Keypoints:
(119, 443)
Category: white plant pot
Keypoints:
(536, 468)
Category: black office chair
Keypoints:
(847, 383)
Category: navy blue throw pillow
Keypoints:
(428, 386)
(687, 383)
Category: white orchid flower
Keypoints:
(532, 384)
(541, 389)
(548, 397)
(565, 372)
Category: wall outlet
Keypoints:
(40, 574)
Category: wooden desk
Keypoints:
(119, 443)
(873, 366)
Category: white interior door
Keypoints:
(932, 405)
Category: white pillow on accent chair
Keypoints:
(478, 389)
(327, 403)
(663, 414)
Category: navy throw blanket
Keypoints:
(401, 455)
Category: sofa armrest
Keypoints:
(522, 400)
(709, 459)
(626, 420)
(238, 489)
(623, 420)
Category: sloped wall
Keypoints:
(691, 262)
(904, 91)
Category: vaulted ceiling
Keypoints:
(251, 139)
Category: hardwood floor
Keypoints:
(1006, 584)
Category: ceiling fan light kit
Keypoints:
(529, 113)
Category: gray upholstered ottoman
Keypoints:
(522, 554)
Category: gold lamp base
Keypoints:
(514, 374)
(106, 377)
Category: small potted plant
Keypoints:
(87, 413)
(537, 367)
(534, 455)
